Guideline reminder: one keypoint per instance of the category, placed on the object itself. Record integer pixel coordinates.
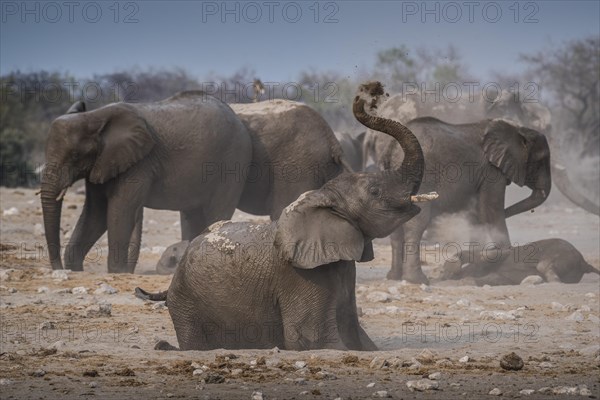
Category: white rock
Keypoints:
(158, 249)
(527, 392)
(378, 297)
(435, 376)
(5, 381)
(58, 345)
(556, 306)
(370, 385)
(38, 230)
(378, 363)
(585, 308)
(79, 290)
(495, 392)
(532, 280)
(463, 302)
(105, 288)
(498, 315)
(565, 390)
(577, 316)
(464, 359)
(257, 396)
(236, 371)
(393, 310)
(60, 274)
(43, 289)
(422, 385)
(425, 288)
(300, 364)
(93, 384)
(394, 290)
(585, 392)
(161, 305)
(10, 211)
(590, 295)
(197, 372)
(545, 364)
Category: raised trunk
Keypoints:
(52, 209)
(413, 164)
(566, 187)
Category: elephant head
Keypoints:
(523, 156)
(339, 220)
(95, 145)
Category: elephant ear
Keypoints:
(310, 234)
(77, 107)
(126, 138)
(507, 149)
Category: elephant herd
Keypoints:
(291, 282)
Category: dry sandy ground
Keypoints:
(53, 344)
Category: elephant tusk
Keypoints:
(61, 194)
(420, 198)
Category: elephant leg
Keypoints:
(490, 210)
(121, 224)
(406, 249)
(136, 239)
(90, 227)
(192, 223)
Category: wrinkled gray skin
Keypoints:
(522, 109)
(170, 257)
(140, 155)
(555, 260)
(469, 165)
(352, 146)
(291, 283)
(293, 150)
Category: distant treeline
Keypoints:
(568, 76)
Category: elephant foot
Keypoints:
(394, 275)
(410, 276)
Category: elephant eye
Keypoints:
(375, 191)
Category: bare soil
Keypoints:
(52, 346)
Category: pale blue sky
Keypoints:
(191, 35)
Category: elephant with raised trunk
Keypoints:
(291, 283)
(469, 165)
(141, 155)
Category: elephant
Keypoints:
(470, 166)
(170, 257)
(291, 283)
(352, 147)
(518, 107)
(158, 155)
(555, 260)
(283, 165)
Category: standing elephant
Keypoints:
(141, 155)
(293, 151)
(291, 283)
(469, 165)
(352, 146)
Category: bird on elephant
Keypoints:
(470, 166)
(162, 155)
(554, 260)
(291, 283)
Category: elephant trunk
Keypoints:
(51, 196)
(567, 188)
(540, 192)
(413, 164)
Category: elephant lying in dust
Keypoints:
(291, 283)
(555, 260)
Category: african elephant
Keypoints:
(141, 155)
(352, 147)
(555, 260)
(291, 283)
(293, 150)
(170, 257)
(469, 165)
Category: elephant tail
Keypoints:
(588, 268)
(144, 295)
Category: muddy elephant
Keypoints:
(291, 283)
(141, 155)
(555, 260)
(469, 165)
